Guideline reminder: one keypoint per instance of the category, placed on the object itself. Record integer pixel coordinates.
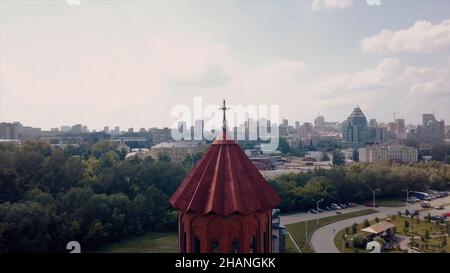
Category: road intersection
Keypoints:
(322, 239)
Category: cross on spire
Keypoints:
(224, 109)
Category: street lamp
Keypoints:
(306, 228)
(407, 196)
(317, 209)
(373, 191)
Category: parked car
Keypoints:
(370, 204)
(328, 208)
(343, 205)
(319, 210)
(313, 211)
(335, 206)
(353, 204)
(425, 205)
(414, 199)
(446, 215)
(437, 218)
(438, 207)
(442, 194)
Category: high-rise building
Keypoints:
(199, 127)
(297, 125)
(283, 128)
(161, 135)
(115, 131)
(76, 129)
(427, 118)
(319, 122)
(106, 129)
(431, 131)
(401, 130)
(373, 123)
(16, 130)
(65, 128)
(355, 130)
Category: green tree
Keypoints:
(354, 228)
(11, 190)
(338, 158)
(325, 157)
(366, 223)
(24, 227)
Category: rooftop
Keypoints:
(177, 144)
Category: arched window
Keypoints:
(196, 245)
(183, 243)
(215, 246)
(235, 246)
(252, 248)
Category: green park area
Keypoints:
(390, 202)
(156, 243)
(299, 233)
(424, 235)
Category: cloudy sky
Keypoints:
(128, 63)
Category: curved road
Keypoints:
(322, 240)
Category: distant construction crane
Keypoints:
(394, 113)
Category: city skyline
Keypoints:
(131, 72)
(291, 122)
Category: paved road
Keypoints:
(322, 240)
(300, 217)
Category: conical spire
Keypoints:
(224, 182)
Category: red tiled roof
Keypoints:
(224, 182)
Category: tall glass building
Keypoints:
(355, 131)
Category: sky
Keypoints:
(129, 63)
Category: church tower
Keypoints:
(224, 204)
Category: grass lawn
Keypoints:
(416, 226)
(155, 243)
(390, 202)
(298, 231)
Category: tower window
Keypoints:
(196, 245)
(235, 246)
(215, 246)
(183, 243)
(252, 248)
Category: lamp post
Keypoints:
(317, 209)
(306, 228)
(407, 196)
(373, 191)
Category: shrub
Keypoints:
(354, 228)
(366, 223)
(426, 235)
(359, 241)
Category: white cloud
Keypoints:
(421, 37)
(317, 5)
(381, 75)
(389, 85)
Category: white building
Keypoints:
(391, 153)
(177, 150)
(140, 154)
